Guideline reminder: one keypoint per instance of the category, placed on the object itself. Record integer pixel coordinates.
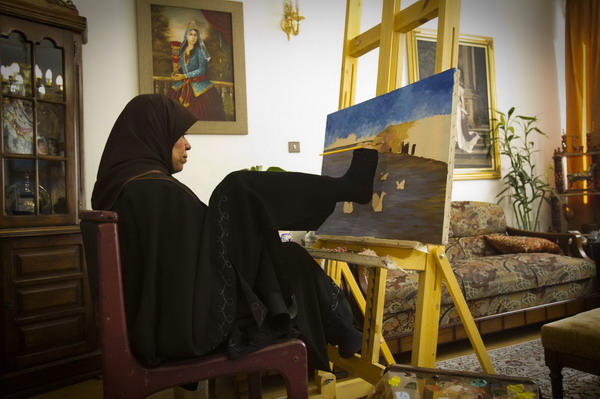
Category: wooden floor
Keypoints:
(92, 389)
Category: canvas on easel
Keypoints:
(414, 129)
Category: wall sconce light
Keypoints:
(290, 23)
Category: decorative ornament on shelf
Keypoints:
(63, 3)
(290, 23)
(586, 176)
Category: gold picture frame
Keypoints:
(474, 157)
(211, 67)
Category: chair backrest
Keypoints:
(123, 375)
(100, 237)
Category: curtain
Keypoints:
(582, 68)
(582, 83)
(221, 21)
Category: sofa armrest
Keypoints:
(570, 243)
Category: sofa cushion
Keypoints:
(488, 277)
(396, 322)
(552, 269)
(453, 250)
(471, 218)
(502, 283)
(501, 274)
(493, 275)
(461, 248)
(518, 244)
(474, 247)
(520, 300)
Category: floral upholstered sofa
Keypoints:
(507, 279)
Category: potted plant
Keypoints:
(259, 168)
(524, 189)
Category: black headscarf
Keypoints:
(141, 141)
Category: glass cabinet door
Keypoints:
(35, 154)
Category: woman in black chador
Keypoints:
(200, 279)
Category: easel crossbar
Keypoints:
(405, 20)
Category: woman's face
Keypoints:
(192, 37)
(179, 154)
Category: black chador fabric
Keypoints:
(245, 211)
(198, 278)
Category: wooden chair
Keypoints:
(124, 376)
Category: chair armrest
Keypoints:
(99, 216)
(570, 243)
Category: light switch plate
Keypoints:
(294, 146)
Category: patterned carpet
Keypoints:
(527, 360)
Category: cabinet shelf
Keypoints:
(574, 193)
(574, 154)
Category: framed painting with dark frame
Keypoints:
(474, 157)
(193, 51)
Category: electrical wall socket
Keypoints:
(294, 146)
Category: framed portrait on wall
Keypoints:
(475, 158)
(193, 51)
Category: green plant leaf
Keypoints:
(523, 188)
(527, 118)
(259, 168)
(275, 169)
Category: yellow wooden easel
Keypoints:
(428, 260)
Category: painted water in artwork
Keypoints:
(413, 129)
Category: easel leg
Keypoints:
(348, 278)
(463, 310)
(374, 315)
(326, 384)
(427, 316)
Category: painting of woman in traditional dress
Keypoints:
(191, 86)
(192, 60)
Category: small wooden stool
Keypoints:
(572, 342)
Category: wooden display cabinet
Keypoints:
(48, 330)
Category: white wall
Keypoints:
(293, 85)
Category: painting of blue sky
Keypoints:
(419, 100)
